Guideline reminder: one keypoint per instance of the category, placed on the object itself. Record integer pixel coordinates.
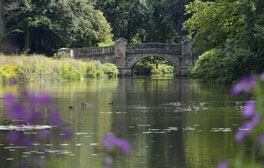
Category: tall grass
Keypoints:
(38, 67)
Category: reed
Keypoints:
(38, 67)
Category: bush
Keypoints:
(61, 55)
(42, 68)
(110, 70)
(224, 65)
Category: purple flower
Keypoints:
(44, 134)
(27, 141)
(44, 99)
(245, 85)
(255, 119)
(262, 76)
(55, 119)
(223, 164)
(66, 134)
(13, 137)
(9, 99)
(261, 139)
(33, 118)
(249, 109)
(110, 141)
(244, 130)
(123, 144)
(16, 111)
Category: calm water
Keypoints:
(152, 112)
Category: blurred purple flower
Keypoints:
(27, 141)
(55, 119)
(245, 85)
(44, 99)
(16, 111)
(223, 164)
(249, 109)
(33, 118)
(9, 98)
(13, 137)
(66, 134)
(123, 144)
(261, 139)
(44, 134)
(262, 76)
(244, 130)
(110, 141)
(255, 119)
(106, 167)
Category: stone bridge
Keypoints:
(125, 56)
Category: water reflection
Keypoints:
(152, 112)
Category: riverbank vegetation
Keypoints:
(39, 67)
(153, 65)
(231, 35)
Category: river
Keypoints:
(151, 112)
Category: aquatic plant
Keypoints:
(110, 143)
(252, 130)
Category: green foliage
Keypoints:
(93, 70)
(139, 20)
(50, 25)
(153, 65)
(224, 65)
(61, 55)
(232, 32)
(214, 23)
(110, 70)
(42, 68)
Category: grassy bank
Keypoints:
(38, 67)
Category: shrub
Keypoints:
(61, 55)
(110, 70)
(224, 65)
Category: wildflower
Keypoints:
(262, 76)
(13, 137)
(55, 119)
(245, 85)
(66, 134)
(249, 109)
(109, 141)
(244, 130)
(223, 165)
(261, 139)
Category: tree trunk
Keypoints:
(27, 41)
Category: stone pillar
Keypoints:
(187, 47)
(186, 59)
(120, 52)
(67, 50)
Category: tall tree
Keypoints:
(127, 17)
(50, 24)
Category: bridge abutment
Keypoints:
(124, 71)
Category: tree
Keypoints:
(214, 23)
(128, 18)
(49, 25)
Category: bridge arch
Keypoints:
(171, 58)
